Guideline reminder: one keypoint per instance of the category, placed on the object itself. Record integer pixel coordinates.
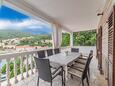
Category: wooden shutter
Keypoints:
(110, 37)
(111, 47)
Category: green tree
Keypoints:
(3, 70)
(84, 38)
(65, 39)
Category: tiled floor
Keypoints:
(95, 80)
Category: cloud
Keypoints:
(35, 26)
(27, 23)
(5, 24)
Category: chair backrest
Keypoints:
(87, 65)
(75, 50)
(41, 54)
(91, 54)
(49, 52)
(56, 50)
(43, 66)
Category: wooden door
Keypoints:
(99, 49)
(111, 48)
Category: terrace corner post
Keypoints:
(56, 36)
(71, 39)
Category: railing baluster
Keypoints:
(31, 56)
(30, 63)
(15, 70)
(0, 73)
(35, 55)
(8, 72)
(21, 67)
(27, 75)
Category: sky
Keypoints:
(13, 20)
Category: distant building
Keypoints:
(27, 48)
(9, 47)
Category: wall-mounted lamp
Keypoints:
(100, 14)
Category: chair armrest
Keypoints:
(80, 62)
(57, 69)
(79, 69)
(51, 67)
(85, 56)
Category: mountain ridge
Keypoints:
(10, 34)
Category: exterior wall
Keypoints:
(104, 18)
(86, 49)
(105, 49)
(107, 67)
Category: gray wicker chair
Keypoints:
(45, 73)
(75, 50)
(56, 50)
(82, 74)
(41, 54)
(49, 52)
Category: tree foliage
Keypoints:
(85, 38)
(65, 39)
(3, 69)
(39, 40)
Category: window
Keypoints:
(19, 32)
(84, 38)
(65, 39)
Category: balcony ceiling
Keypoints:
(76, 15)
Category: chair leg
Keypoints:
(71, 76)
(87, 81)
(62, 79)
(89, 72)
(82, 82)
(38, 82)
(51, 83)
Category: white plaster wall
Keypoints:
(105, 49)
(82, 49)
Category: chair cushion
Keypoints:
(81, 61)
(78, 65)
(84, 58)
(54, 65)
(56, 73)
(75, 72)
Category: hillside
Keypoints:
(9, 34)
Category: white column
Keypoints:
(56, 35)
(71, 39)
(59, 37)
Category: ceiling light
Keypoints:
(1, 3)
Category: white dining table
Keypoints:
(62, 59)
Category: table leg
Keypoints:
(66, 72)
